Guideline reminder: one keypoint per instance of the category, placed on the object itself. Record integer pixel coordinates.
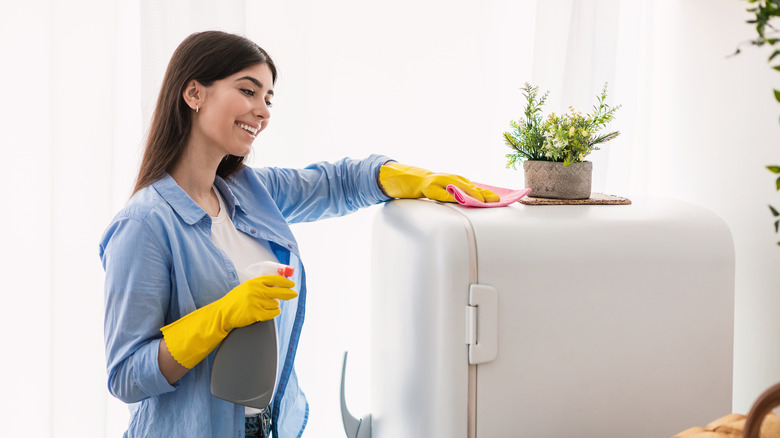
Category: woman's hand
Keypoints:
(192, 337)
(402, 181)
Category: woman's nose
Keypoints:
(263, 112)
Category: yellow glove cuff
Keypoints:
(402, 181)
(191, 338)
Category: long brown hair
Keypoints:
(205, 57)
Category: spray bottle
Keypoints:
(245, 365)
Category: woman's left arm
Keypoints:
(324, 189)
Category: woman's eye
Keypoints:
(248, 92)
(268, 104)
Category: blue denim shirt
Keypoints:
(161, 264)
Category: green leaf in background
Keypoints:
(764, 17)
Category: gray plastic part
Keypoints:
(245, 365)
(354, 427)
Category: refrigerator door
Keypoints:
(550, 321)
(422, 265)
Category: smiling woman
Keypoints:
(238, 101)
(171, 295)
(229, 114)
(188, 76)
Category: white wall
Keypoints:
(713, 127)
(431, 83)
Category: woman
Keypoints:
(198, 216)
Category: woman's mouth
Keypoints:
(252, 130)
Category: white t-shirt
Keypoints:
(242, 250)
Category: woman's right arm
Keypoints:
(137, 296)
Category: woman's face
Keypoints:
(234, 110)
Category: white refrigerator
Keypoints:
(548, 321)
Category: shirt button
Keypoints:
(253, 231)
(289, 245)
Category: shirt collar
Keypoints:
(185, 207)
(232, 202)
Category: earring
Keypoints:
(196, 109)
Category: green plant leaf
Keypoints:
(777, 226)
(777, 184)
(777, 95)
(774, 169)
(775, 213)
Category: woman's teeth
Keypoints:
(251, 129)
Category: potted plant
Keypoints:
(553, 149)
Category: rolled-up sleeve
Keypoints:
(325, 189)
(137, 294)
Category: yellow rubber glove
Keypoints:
(192, 337)
(402, 181)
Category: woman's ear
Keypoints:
(192, 95)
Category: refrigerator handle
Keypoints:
(482, 324)
(354, 427)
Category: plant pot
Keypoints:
(550, 179)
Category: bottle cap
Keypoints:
(286, 271)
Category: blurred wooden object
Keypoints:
(758, 414)
(760, 422)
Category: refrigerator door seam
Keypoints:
(473, 279)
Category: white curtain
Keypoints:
(430, 83)
(58, 82)
(697, 125)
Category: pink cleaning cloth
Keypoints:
(507, 196)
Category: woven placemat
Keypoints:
(595, 199)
